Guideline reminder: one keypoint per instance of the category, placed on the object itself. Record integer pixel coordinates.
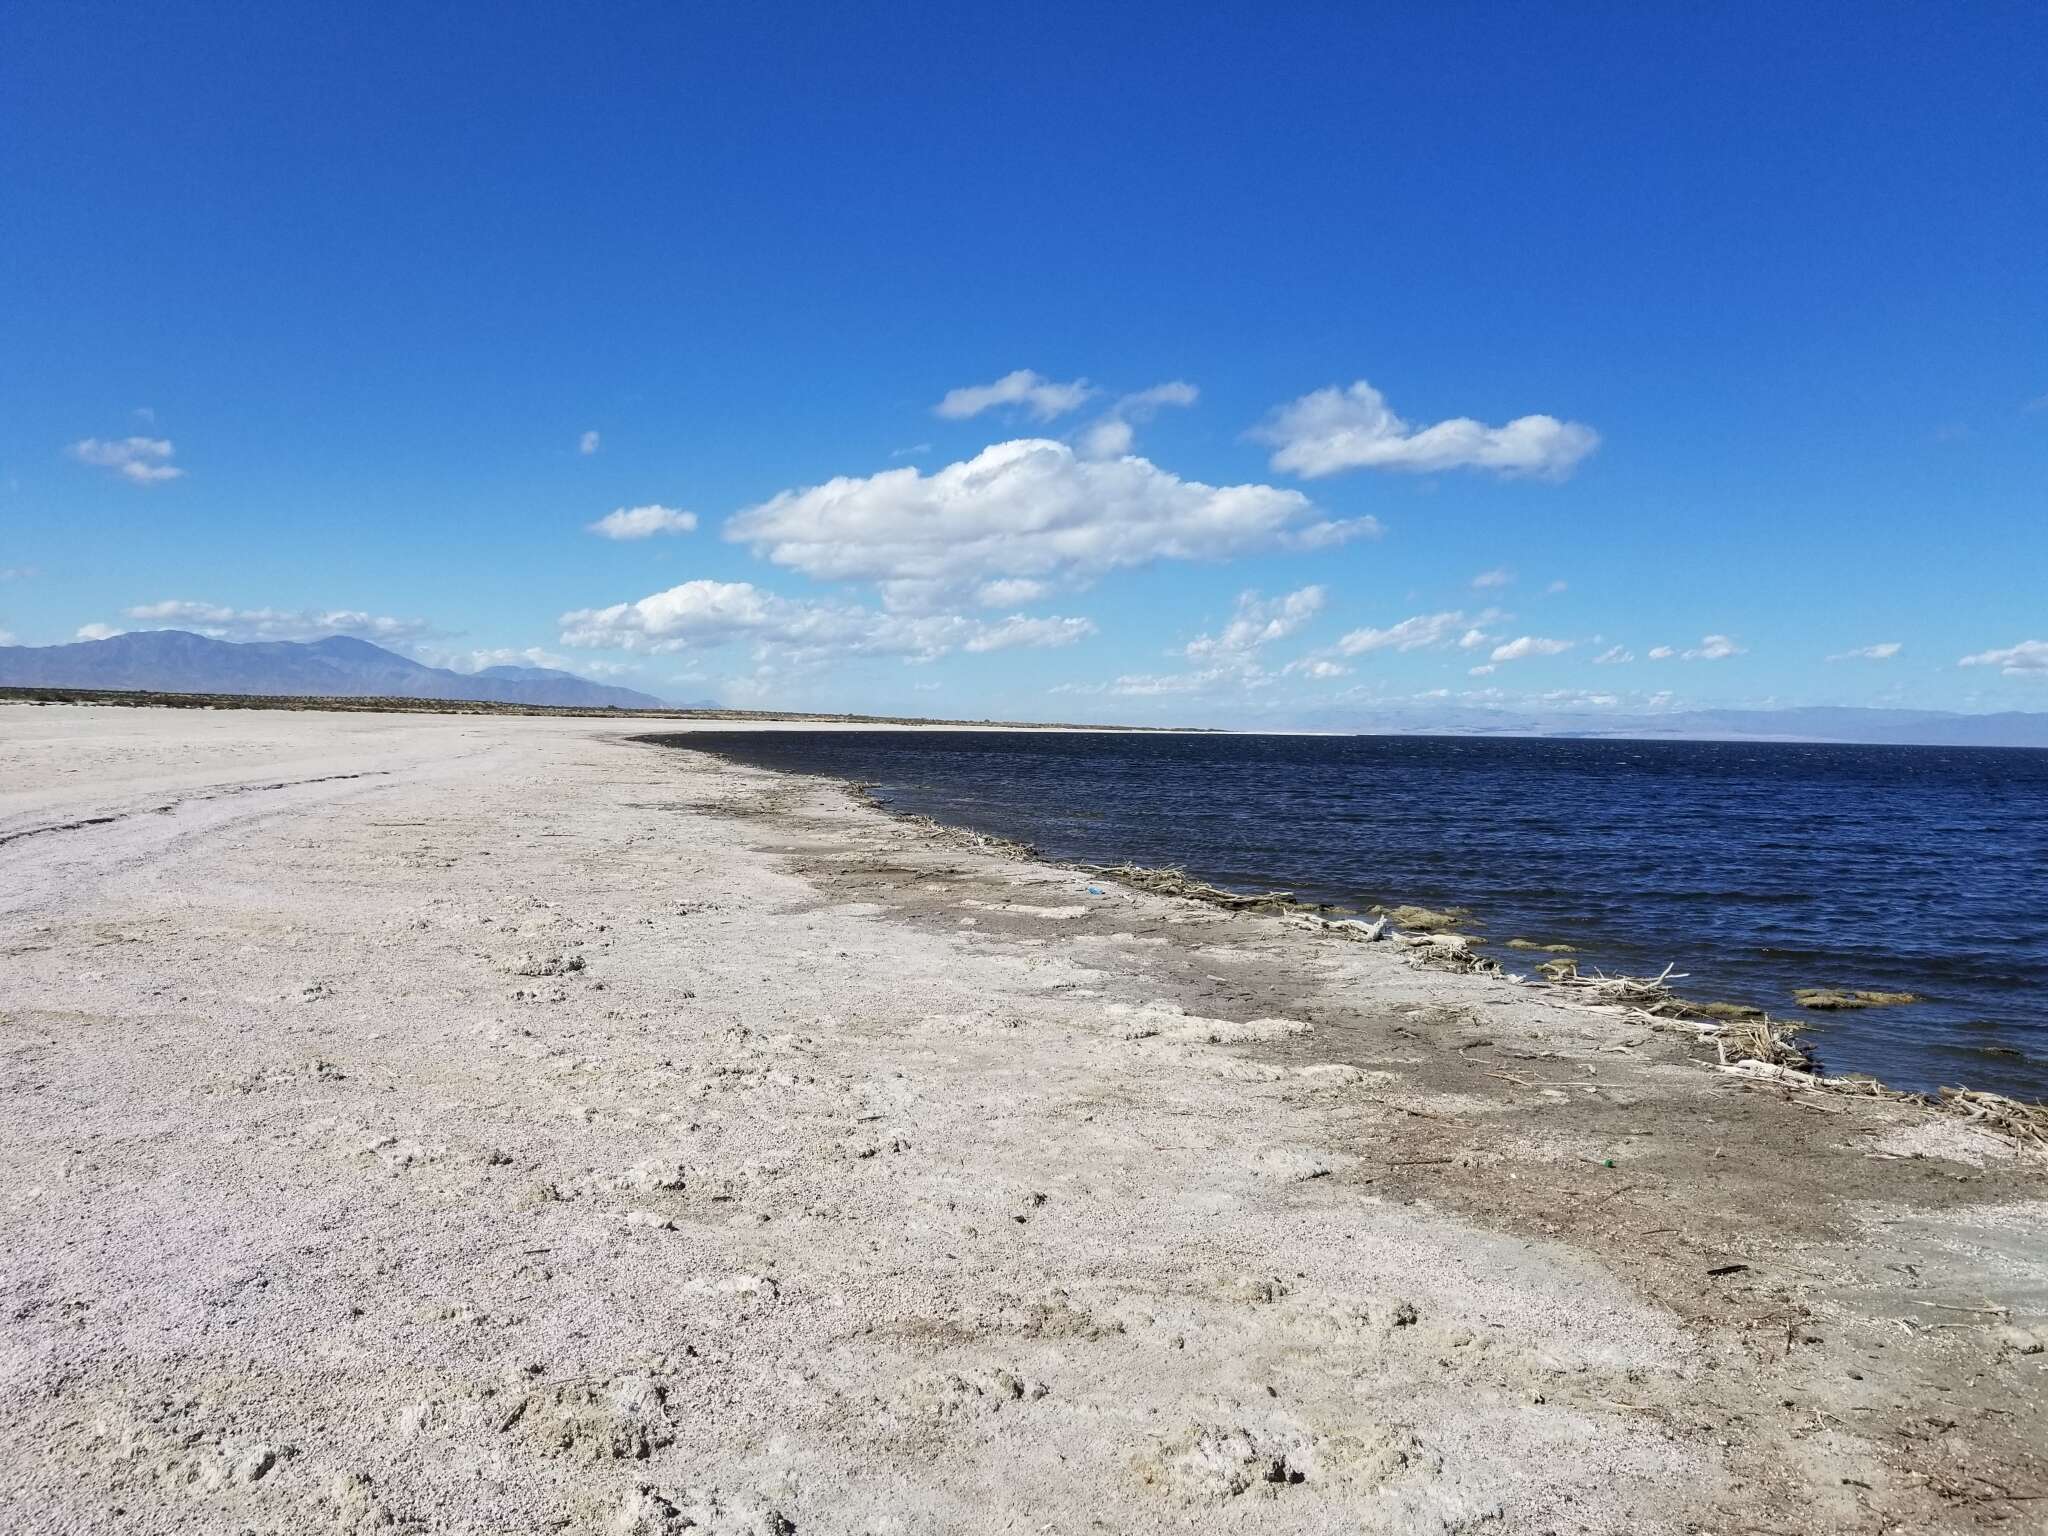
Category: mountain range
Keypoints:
(177, 661)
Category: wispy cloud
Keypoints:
(225, 623)
(589, 443)
(1881, 652)
(1710, 648)
(642, 522)
(1529, 645)
(1010, 592)
(1713, 648)
(1333, 430)
(1499, 576)
(2027, 659)
(705, 614)
(1425, 631)
(1614, 655)
(1258, 622)
(138, 460)
(1042, 398)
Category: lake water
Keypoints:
(1753, 867)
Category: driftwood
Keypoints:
(1178, 882)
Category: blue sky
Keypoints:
(1718, 333)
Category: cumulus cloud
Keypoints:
(1111, 437)
(6, 637)
(138, 460)
(1615, 654)
(2027, 659)
(1529, 645)
(1662, 653)
(704, 614)
(1041, 397)
(1338, 429)
(1884, 651)
(1029, 508)
(642, 522)
(588, 443)
(225, 623)
(1258, 622)
(97, 632)
(1426, 631)
(1499, 576)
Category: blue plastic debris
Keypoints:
(1094, 890)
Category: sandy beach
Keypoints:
(421, 1123)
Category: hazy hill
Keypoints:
(174, 661)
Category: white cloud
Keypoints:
(1037, 634)
(642, 522)
(6, 637)
(1315, 667)
(97, 632)
(1328, 535)
(1011, 592)
(911, 452)
(1618, 653)
(1109, 438)
(2027, 659)
(1499, 576)
(17, 572)
(1041, 397)
(1339, 429)
(704, 614)
(1472, 639)
(1112, 436)
(1556, 587)
(1139, 685)
(1425, 631)
(1530, 645)
(589, 443)
(525, 656)
(1026, 508)
(223, 623)
(1258, 622)
(1484, 669)
(1661, 653)
(1713, 648)
(1881, 652)
(139, 460)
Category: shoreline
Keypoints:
(499, 1122)
(1781, 1038)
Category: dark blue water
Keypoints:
(1754, 867)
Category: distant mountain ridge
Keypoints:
(1842, 724)
(177, 661)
